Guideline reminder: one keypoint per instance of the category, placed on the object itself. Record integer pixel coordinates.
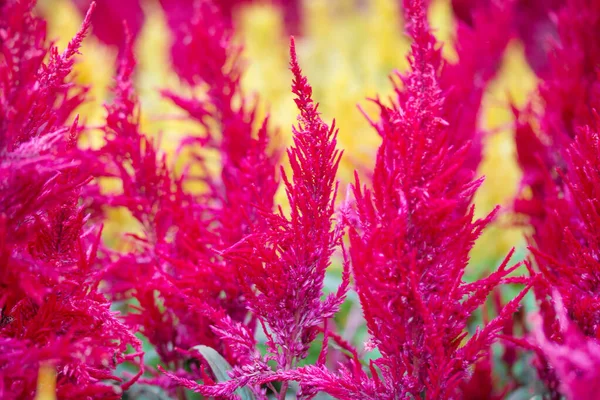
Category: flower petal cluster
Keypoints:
(154, 198)
(287, 258)
(230, 206)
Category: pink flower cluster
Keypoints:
(51, 309)
(229, 290)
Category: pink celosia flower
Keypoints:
(282, 263)
(172, 224)
(232, 204)
(296, 251)
(568, 266)
(558, 162)
(571, 223)
(484, 29)
(155, 199)
(569, 93)
(51, 312)
(560, 170)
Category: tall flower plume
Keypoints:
(230, 205)
(52, 313)
(282, 263)
(568, 327)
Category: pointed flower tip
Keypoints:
(128, 36)
(75, 43)
(88, 15)
(294, 65)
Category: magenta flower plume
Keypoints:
(230, 206)
(560, 165)
(281, 265)
(289, 256)
(233, 203)
(569, 271)
(570, 267)
(484, 29)
(51, 311)
(247, 181)
(36, 97)
(569, 93)
(148, 193)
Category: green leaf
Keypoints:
(219, 367)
